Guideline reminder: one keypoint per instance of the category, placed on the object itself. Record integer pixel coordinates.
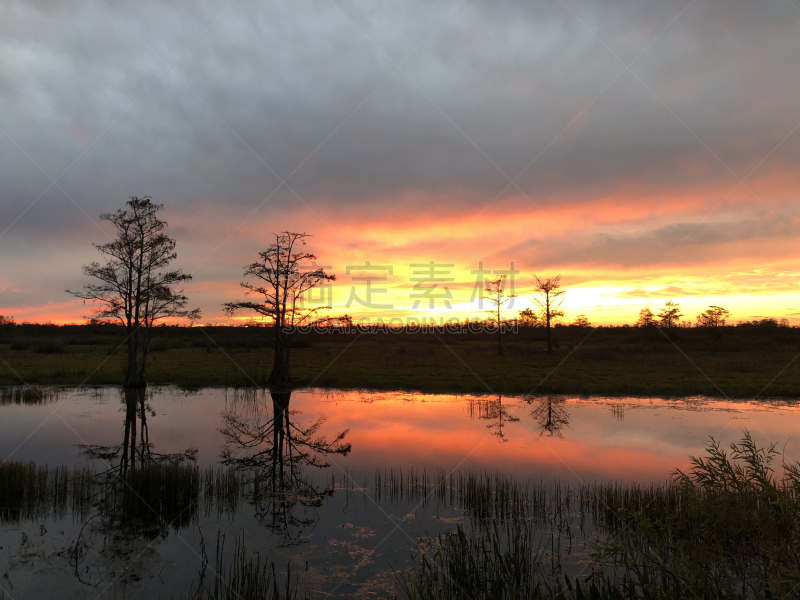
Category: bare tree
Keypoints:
(713, 316)
(498, 297)
(548, 297)
(285, 274)
(670, 314)
(135, 287)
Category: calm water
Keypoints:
(347, 542)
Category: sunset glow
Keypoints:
(673, 180)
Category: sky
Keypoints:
(643, 151)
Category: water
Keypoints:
(343, 533)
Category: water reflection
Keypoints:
(142, 489)
(493, 411)
(550, 415)
(264, 438)
(136, 448)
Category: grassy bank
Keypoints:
(733, 361)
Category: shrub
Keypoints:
(731, 531)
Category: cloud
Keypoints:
(409, 118)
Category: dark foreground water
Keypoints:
(331, 500)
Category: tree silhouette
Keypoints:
(136, 450)
(548, 297)
(528, 320)
(283, 280)
(135, 286)
(498, 297)
(713, 316)
(276, 450)
(581, 321)
(646, 318)
(670, 314)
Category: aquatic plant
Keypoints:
(29, 491)
(27, 394)
(244, 578)
(729, 528)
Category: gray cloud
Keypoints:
(311, 89)
(284, 77)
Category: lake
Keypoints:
(348, 485)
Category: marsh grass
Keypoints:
(743, 361)
(729, 528)
(484, 496)
(244, 577)
(499, 563)
(151, 498)
(152, 495)
(31, 492)
(55, 347)
(27, 395)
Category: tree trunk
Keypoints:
(499, 334)
(133, 378)
(145, 348)
(281, 372)
(549, 337)
(280, 366)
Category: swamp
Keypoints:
(227, 492)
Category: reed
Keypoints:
(153, 497)
(34, 492)
(245, 577)
(730, 528)
(27, 395)
(167, 493)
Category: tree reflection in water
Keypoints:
(493, 411)
(550, 415)
(140, 487)
(263, 439)
(136, 450)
